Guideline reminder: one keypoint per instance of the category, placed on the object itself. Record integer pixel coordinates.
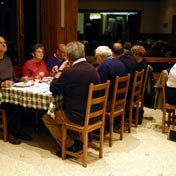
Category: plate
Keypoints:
(23, 84)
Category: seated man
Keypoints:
(14, 112)
(72, 80)
(131, 65)
(109, 68)
(56, 59)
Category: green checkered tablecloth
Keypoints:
(32, 97)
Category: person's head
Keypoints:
(117, 49)
(127, 45)
(75, 50)
(38, 52)
(101, 53)
(3, 46)
(138, 51)
(61, 51)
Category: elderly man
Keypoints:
(14, 114)
(56, 59)
(109, 68)
(72, 80)
(131, 65)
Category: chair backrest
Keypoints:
(144, 84)
(146, 76)
(120, 93)
(96, 103)
(137, 86)
(164, 80)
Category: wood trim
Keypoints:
(161, 59)
(53, 32)
(20, 31)
(92, 59)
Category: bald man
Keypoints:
(131, 65)
(56, 59)
(14, 112)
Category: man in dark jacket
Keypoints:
(131, 65)
(109, 68)
(72, 81)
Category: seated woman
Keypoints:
(171, 86)
(36, 66)
(139, 52)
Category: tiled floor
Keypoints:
(144, 152)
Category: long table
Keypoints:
(35, 96)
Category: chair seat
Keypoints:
(115, 113)
(79, 128)
(118, 106)
(91, 115)
(135, 98)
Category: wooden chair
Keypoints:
(118, 105)
(89, 127)
(4, 124)
(135, 98)
(168, 109)
(145, 80)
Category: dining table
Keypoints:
(32, 94)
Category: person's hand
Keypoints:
(61, 68)
(41, 74)
(54, 70)
(7, 84)
(65, 64)
(25, 79)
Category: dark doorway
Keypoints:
(31, 14)
(174, 31)
(92, 28)
(133, 27)
(107, 27)
(8, 27)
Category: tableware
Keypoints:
(23, 84)
(48, 79)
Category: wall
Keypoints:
(168, 9)
(58, 23)
(150, 11)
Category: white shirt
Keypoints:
(172, 77)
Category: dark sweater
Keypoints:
(109, 69)
(6, 70)
(74, 85)
(131, 65)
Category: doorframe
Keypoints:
(20, 30)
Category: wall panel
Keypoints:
(52, 30)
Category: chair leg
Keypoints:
(130, 119)
(111, 124)
(137, 116)
(101, 142)
(163, 120)
(85, 148)
(122, 126)
(4, 121)
(64, 137)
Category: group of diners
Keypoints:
(34, 68)
(72, 75)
